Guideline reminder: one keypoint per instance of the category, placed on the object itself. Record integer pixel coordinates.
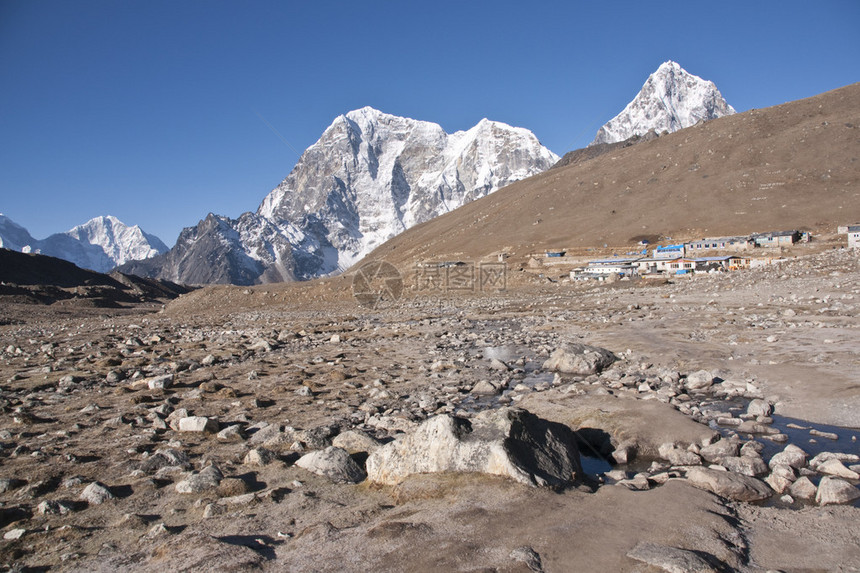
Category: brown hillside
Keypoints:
(793, 166)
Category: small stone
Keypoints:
(206, 479)
(96, 493)
(528, 556)
(333, 463)
(233, 486)
(751, 465)
(579, 359)
(14, 534)
(231, 434)
(259, 457)
(157, 530)
(720, 449)
(303, 391)
(53, 507)
(485, 388)
(677, 456)
(759, 407)
(355, 442)
(156, 382)
(699, 380)
(803, 489)
(790, 456)
(198, 424)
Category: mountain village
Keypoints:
(707, 255)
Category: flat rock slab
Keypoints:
(509, 442)
(671, 559)
(647, 424)
(729, 484)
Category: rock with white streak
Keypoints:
(509, 442)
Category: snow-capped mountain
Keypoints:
(670, 100)
(100, 244)
(369, 177)
(13, 236)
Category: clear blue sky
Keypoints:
(151, 110)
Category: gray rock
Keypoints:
(259, 457)
(509, 442)
(678, 456)
(751, 465)
(333, 463)
(759, 407)
(781, 478)
(671, 559)
(485, 388)
(822, 457)
(355, 442)
(728, 484)
(198, 424)
(162, 458)
(96, 493)
(53, 507)
(14, 534)
(8, 484)
(528, 556)
(833, 490)
(163, 381)
(720, 449)
(206, 479)
(231, 434)
(790, 456)
(699, 380)
(803, 488)
(834, 467)
(579, 359)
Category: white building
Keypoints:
(854, 236)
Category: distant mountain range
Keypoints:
(670, 100)
(369, 177)
(100, 244)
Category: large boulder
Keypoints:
(832, 490)
(579, 359)
(728, 484)
(509, 442)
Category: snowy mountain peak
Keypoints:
(671, 99)
(370, 176)
(13, 236)
(100, 244)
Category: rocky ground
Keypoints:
(235, 429)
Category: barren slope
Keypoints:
(789, 166)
